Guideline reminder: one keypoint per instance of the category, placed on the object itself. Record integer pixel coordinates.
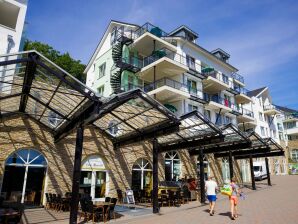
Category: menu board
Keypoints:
(130, 197)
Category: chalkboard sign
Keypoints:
(130, 197)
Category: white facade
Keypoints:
(12, 18)
(181, 84)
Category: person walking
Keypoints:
(211, 187)
(234, 199)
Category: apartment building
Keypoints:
(288, 131)
(171, 67)
(12, 19)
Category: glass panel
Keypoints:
(147, 180)
(85, 182)
(100, 184)
(14, 159)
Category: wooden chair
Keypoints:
(112, 208)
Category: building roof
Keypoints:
(286, 109)
(220, 50)
(183, 27)
(256, 92)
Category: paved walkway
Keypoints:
(277, 204)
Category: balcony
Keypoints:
(290, 118)
(217, 103)
(214, 82)
(241, 96)
(148, 38)
(165, 63)
(270, 110)
(245, 116)
(170, 90)
(238, 79)
(292, 131)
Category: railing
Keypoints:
(240, 89)
(130, 86)
(237, 77)
(148, 27)
(215, 74)
(164, 52)
(269, 107)
(247, 112)
(222, 101)
(135, 61)
(174, 84)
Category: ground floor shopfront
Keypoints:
(32, 164)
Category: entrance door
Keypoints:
(94, 178)
(24, 176)
(141, 175)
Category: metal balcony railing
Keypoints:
(148, 27)
(240, 89)
(164, 52)
(246, 112)
(222, 101)
(174, 84)
(237, 77)
(215, 74)
(269, 107)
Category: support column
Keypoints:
(154, 80)
(202, 178)
(268, 171)
(155, 177)
(76, 176)
(253, 182)
(231, 165)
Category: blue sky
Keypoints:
(261, 36)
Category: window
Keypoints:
(261, 116)
(262, 131)
(192, 108)
(294, 155)
(54, 119)
(290, 125)
(101, 70)
(192, 86)
(113, 127)
(190, 62)
(141, 175)
(114, 36)
(207, 114)
(218, 120)
(225, 79)
(172, 166)
(228, 120)
(260, 101)
(100, 90)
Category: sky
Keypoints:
(261, 36)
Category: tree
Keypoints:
(65, 61)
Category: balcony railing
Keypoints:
(240, 89)
(215, 74)
(164, 52)
(222, 101)
(174, 84)
(269, 107)
(246, 112)
(148, 27)
(237, 77)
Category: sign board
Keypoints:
(93, 162)
(130, 197)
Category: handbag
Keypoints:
(226, 190)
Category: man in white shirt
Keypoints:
(211, 187)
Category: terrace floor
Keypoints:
(275, 204)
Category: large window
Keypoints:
(294, 155)
(206, 167)
(261, 118)
(192, 108)
(172, 166)
(225, 170)
(24, 177)
(101, 90)
(142, 175)
(192, 86)
(262, 131)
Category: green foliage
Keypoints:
(65, 61)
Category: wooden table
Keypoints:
(6, 213)
(101, 205)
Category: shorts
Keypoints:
(234, 199)
(211, 198)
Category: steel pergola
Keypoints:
(31, 84)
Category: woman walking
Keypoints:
(234, 199)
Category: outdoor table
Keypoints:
(8, 213)
(101, 204)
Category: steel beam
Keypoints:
(202, 178)
(76, 176)
(253, 182)
(231, 165)
(268, 172)
(261, 155)
(243, 152)
(155, 176)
